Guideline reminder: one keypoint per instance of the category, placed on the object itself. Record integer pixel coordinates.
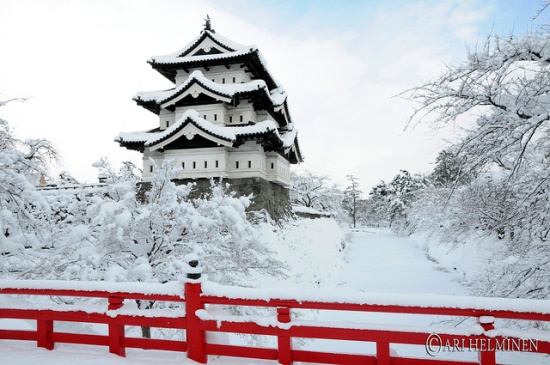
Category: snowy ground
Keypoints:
(376, 261)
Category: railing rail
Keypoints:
(196, 320)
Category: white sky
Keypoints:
(341, 63)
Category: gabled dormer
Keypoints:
(208, 44)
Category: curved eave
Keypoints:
(150, 105)
(133, 146)
(155, 106)
(206, 90)
(259, 95)
(180, 131)
(241, 137)
(286, 112)
(296, 153)
(250, 59)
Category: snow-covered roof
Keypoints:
(226, 92)
(224, 51)
(191, 124)
(215, 37)
(170, 59)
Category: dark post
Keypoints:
(194, 263)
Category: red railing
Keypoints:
(195, 320)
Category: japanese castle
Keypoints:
(226, 117)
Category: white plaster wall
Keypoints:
(252, 162)
(219, 74)
(244, 110)
(166, 118)
(264, 115)
(214, 113)
(278, 169)
(199, 162)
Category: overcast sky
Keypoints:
(341, 63)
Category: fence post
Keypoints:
(44, 333)
(196, 337)
(383, 354)
(486, 351)
(284, 342)
(116, 331)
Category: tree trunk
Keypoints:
(145, 332)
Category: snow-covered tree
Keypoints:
(317, 192)
(22, 164)
(65, 178)
(308, 189)
(377, 206)
(401, 193)
(449, 170)
(499, 99)
(352, 195)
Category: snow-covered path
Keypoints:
(380, 261)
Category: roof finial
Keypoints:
(208, 24)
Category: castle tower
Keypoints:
(226, 117)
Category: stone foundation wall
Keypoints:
(267, 195)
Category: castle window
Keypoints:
(150, 168)
(194, 164)
(205, 164)
(204, 116)
(216, 163)
(230, 119)
(241, 118)
(167, 124)
(223, 80)
(249, 164)
(183, 165)
(237, 164)
(233, 79)
(215, 117)
(272, 166)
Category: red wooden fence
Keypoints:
(195, 321)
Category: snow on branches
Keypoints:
(133, 232)
(500, 99)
